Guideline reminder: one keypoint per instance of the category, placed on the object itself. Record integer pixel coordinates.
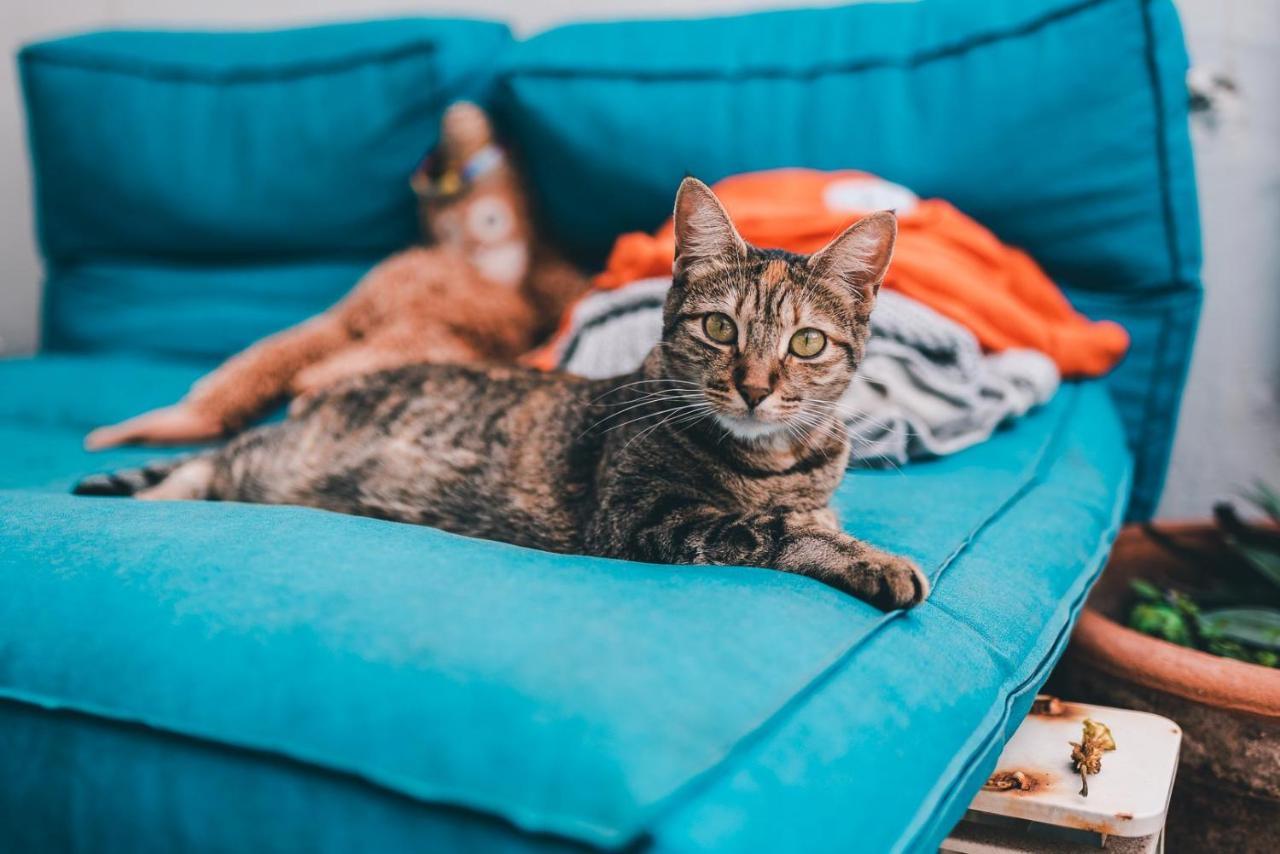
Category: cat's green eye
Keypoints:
(808, 343)
(720, 327)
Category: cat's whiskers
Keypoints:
(858, 441)
(650, 399)
(664, 380)
(839, 429)
(689, 419)
(658, 414)
(701, 409)
(818, 426)
(850, 415)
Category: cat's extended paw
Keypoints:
(889, 581)
(879, 578)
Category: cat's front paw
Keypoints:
(882, 579)
(888, 581)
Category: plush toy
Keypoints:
(485, 289)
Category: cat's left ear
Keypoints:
(860, 255)
(703, 230)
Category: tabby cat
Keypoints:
(723, 448)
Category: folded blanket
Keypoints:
(924, 388)
(943, 259)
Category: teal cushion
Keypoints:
(199, 157)
(49, 403)
(1061, 124)
(293, 676)
(190, 311)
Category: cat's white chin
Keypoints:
(750, 429)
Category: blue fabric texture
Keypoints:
(225, 677)
(196, 191)
(1060, 124)
(429, 686)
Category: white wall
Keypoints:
(1229, 432)
(1230, 428)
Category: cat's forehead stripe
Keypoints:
(774, 272)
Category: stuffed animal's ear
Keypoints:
(858, 258)
(703, 229)
(464, 130)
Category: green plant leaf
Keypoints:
(1229, 649)
(1266, 499)
(1184, 604)
(1146, 590)
(1259, 627)
(1161, 621)
(1264, 560)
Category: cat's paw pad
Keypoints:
(890, 582)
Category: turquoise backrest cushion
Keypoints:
(196, 191)
(1061, 124)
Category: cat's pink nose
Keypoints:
(752, 395)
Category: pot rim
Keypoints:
(1188, 673)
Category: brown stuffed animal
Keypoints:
(487, 290)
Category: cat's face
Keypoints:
(769, 338)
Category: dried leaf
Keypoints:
(1100, 733)
(1086, 754)
(1003, 781)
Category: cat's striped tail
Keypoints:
(127, 482)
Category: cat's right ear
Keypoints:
(703, 229)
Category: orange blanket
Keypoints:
(943, 259)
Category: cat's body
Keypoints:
(717, 451)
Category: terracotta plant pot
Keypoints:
(1227, 797)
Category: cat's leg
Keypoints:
(234, 393)
(804, 542)
(261, 466)
(884, 579)
(190, 481)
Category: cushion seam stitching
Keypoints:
(175, 74)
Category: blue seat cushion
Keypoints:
(217, 676)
